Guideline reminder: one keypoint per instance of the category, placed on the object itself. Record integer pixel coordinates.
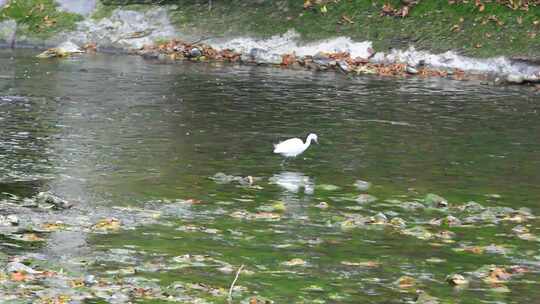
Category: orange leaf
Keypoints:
(19, 276)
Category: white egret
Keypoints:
(294, 146)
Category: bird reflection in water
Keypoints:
(293, 182)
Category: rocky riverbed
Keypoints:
(56, 277)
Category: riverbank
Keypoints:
(348, 37)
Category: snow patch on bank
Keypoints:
(270, 51)
(126, 29)
(451, 60)
(288, 43)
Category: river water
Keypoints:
(112, 132)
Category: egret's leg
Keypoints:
(283, 162)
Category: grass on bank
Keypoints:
(434, 25)
(38, 17)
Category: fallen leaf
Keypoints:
(19, 276)
(369, 264)
(107, 224)
(497, 275)
(76, 283)
(53, 226)
(405, 282)
(288, 59)
(295, 262)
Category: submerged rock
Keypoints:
(418, 232)
(9, 220)
(471, 207)
(515, 79)
(19, 267)
(533, 78)
(411, 70)
(398, 222)
(424, 298)
(322, 205)
(195, 52)
(222, 178)
(362, 185)
(365, 199)
(379, 218)
(435, 200)
(411, 205)
(53, 200)
(449, 220)
(63, 50)
(345, 68)
(263, 56)
(322, 60)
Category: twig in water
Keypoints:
(234, 282)
(13, 38)
(203, 39)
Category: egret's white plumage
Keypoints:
(294, 146)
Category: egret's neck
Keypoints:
(308, 142)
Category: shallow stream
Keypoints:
(142, 142)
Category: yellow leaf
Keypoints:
(107, 224)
